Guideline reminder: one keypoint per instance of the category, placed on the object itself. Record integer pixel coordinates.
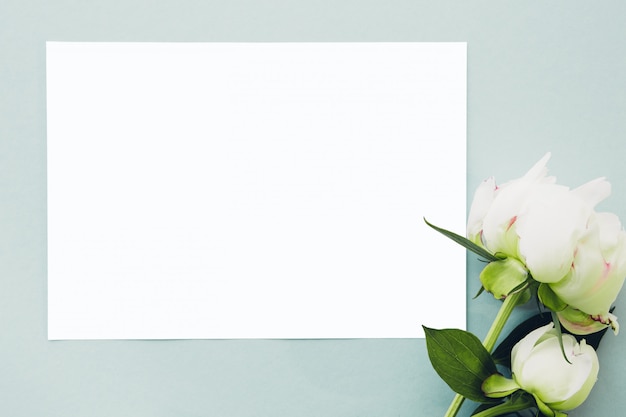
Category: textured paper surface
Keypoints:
(254, 190)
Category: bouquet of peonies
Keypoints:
(546, 242)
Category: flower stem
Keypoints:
(489, 342)
(505, 408)
(498, 323)
(455, 405)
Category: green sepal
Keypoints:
(559, 333)
(504, 277)
(498, 386)
(480, 291)
(547, 411)
(583, 324)
(526, 297)
(461, 361)
(548, 297)
(466, 243)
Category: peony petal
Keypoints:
(499, 222)
(549, 229)
(594, 191)
(539, 171)
(522, 349)
(588, 268)
(483, 197)
(611, 238)
(587, 355)
(599, 268)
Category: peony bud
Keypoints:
(540, 369)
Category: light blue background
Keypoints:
(542, 75)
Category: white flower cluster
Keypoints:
(555, 234)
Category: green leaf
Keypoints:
(549, 298)
(466, 243)
(461, 361)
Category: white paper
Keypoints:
(254, 190)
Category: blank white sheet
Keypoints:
(254, 190)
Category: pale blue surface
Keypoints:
(541, 76)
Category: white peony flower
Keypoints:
(540, 369)
(558, 237)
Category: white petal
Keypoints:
(539, 171)
(549, 230)
(522, 349)
(586, 353)
(599, 267)
(594, 191)
(483, 197)
(610, 235)
(502, 215)
(576, 287)
(509, 199)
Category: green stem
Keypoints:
(504, 408)
(498, 323)
(455, 405)
(489, 342)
